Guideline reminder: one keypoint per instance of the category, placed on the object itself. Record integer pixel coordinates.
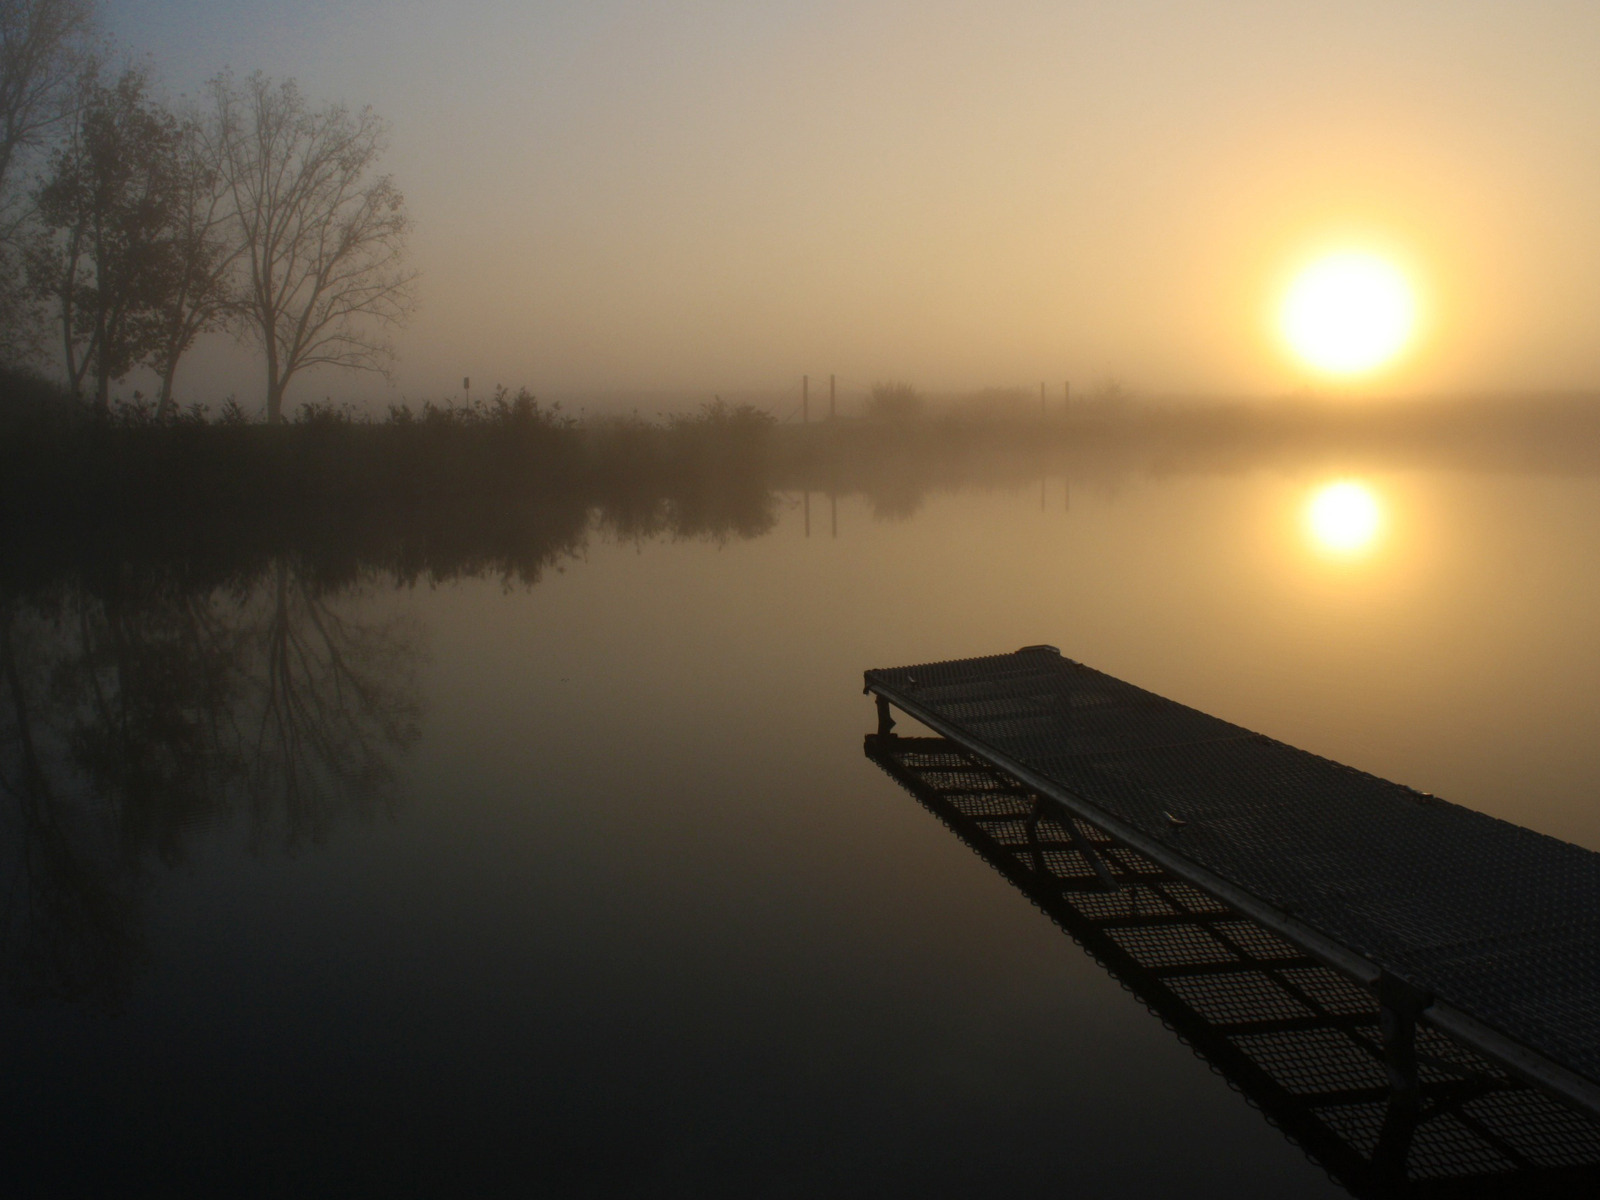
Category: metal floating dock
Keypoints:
(1480, 929)
(1300, 1040)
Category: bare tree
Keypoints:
(324, 236)
(59, 272)
(43, 47)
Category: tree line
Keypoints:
(131, 226)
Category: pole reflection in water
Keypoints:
(1301, 1041)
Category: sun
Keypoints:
(1344, 517)
(1348, 313)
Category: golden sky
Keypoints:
(724, 195)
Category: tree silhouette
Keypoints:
(323, 235)
(109, 202)
(69, 910)
(43, 44)
(203, 249)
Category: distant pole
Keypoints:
(466, 386)
(805, 399)
(833, 496)
(833, 410)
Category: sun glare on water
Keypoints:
(1344, 517)
(1348, 313)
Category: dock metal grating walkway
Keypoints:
(1481, 928)
(1299, 1040)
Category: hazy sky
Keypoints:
(723, 195)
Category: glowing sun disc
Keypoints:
(1348, 313)
(1344, 517)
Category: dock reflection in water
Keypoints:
(1300, 1041)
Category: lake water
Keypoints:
(582, 886)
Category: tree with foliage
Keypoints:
(323, 235)
(108, 203)
(202, 251)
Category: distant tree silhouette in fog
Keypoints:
(894, 401)
(129, 228)
(323, 234)
(43, 44)
(43, 47)
(106, 206)
(197, 289)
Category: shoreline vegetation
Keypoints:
(488, 469)
(510, 486)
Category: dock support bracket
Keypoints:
(1092, 856)
(885, 721)
(1083, 846)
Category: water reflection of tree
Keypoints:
(713, 513)
(138, 707)
(166, 666)
(337, 698)
(69, 914)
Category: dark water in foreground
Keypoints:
(584, 887)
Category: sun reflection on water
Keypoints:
(1344, 518)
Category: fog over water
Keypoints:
(453, 777)
(713, 196)
(325, 855)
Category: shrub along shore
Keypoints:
(444, 486)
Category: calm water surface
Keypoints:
(584, 887)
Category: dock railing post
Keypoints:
(1398, 1007)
